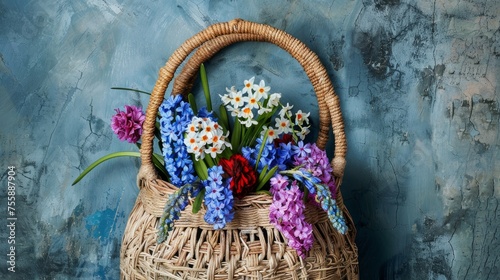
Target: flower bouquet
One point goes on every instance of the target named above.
(215, 159)
(236, 192)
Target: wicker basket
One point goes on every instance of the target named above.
(249, 247)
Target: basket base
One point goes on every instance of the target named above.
(244, 249)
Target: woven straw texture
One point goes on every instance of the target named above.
(249, 247)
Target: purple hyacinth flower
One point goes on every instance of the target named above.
(127, 125)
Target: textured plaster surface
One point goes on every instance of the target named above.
(418, 86)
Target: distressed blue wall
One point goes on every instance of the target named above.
(417, 81)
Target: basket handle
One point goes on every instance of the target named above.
(328, 101)
(184, 81)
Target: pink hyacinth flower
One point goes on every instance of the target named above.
(127, 125)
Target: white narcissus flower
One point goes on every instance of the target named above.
(234, 111)
(248, 122)
(227, 98)
(285, 111)
(303, 132)
(264, 110)
(190, 141)
(252, 100)
(246, 113)
(231, 90)
(223, 141)
(199, 152)
(271, 133)
(261, 89)
(192, 128)
(237, 99)
(215, 150)
(204, 136)
(301, 117)
(243, 104)
(274, 100)
(283, 125)
(248, 85)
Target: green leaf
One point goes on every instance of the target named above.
(209, 161)
(159, 163)
(198, 201)
(227, 153)
(244, 130)
(159, 158)
(251, 138)
(235, 138)
(103, 159)
(157, 131)
(132, 89)
(192, 102)
(200, 168)
(204, 84)
(267, 177)
(305, 197)
(263, 173)
(223, 119)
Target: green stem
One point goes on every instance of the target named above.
(103, 159)
(131, 89)
(204, 84)
(264, 142)
(192, 102)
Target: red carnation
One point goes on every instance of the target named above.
(242, 173)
